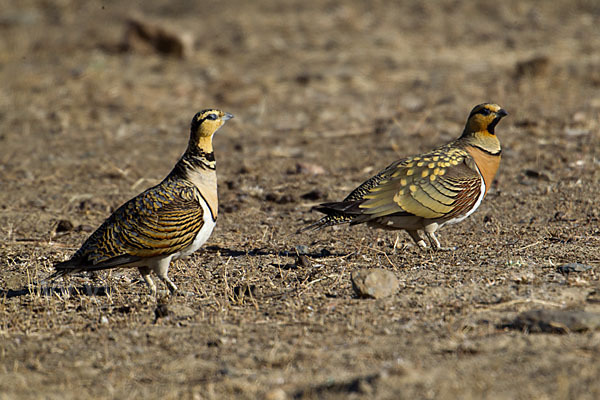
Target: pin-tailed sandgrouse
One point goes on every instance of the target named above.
(420, 194)
(166, 222)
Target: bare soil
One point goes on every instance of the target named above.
(325, 94)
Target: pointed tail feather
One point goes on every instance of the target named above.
(336, 213)
(76, 265)
(57, 274)
(324, 222)
(61, 269)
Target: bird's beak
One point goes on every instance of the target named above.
(501, 113)
(227, 116)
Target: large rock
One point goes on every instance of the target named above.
(146, 36)
(374, 283)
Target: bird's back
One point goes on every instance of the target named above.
(159, 221)
(347, 210)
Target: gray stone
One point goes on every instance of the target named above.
(573, 267)
(374, 283)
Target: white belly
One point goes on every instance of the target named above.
(201, 237)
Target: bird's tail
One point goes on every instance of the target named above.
(61, 269)
(320, 224)
(55, 275)
(335, 215)
(80, 264)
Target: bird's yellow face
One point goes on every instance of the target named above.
(207, 122)
(484, 118)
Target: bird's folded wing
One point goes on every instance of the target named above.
(428, 189)
(158, 222)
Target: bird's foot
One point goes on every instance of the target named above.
(172, 287)
(448, 249)
(163, 297)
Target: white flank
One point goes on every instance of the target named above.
(202, 236)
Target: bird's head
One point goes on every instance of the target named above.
(204, 125)
(484, 118)
(207, 122)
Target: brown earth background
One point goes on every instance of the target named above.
(325, 94)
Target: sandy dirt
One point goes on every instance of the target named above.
(325, 94)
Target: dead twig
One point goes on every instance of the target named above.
(385, 254)
(529, 245)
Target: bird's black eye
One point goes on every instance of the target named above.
(485, 111)
(211, 117)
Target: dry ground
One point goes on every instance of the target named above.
(338, 87)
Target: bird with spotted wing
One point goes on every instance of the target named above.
(166, 222)
(420, 194)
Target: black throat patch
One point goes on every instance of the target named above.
(492, 126)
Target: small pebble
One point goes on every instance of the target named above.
(302, 249)
(309, 169)
(573, 267)
(64, 225)
(276, 394)
(315, 194)
(303, 261)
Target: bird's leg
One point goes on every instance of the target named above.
(145, 272)
(435, 243)
(416, 236)
(161, 270)
(395, 244)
